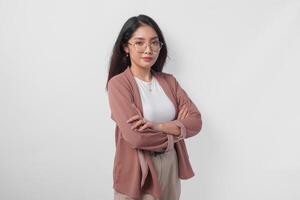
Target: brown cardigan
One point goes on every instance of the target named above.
(133, 172)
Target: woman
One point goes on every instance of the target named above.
(153, 116)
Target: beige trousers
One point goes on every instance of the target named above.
(166, 166)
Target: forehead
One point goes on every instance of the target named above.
(144, 33)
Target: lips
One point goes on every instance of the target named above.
(147, 58)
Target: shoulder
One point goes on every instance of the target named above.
(120, 88)
(119, 80)
(167, 76)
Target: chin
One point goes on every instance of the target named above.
(147, 65)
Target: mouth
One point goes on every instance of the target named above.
(147, 59)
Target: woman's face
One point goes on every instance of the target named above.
(144, 36)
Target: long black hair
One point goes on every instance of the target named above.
(119, 61)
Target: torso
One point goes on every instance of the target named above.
(157, 107)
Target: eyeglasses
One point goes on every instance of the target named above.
(140, 46)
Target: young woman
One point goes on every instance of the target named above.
(153, 116)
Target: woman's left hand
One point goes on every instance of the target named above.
(143, 123)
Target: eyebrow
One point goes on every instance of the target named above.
(141, 38)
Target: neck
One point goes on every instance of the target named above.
(141, 72)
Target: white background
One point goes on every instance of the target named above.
(238, 60)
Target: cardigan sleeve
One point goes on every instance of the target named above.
(192, 124)
(122, 108)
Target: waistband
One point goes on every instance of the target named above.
(155, 153)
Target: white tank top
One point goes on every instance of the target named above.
(157, 106)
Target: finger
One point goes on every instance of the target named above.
(133, 118)
(146, 125)
(180, 111)
(185, 113)
(137, 124)
(184, 107)
(179, 115)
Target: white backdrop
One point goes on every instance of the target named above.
(238, 61)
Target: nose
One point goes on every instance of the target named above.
(148, 49)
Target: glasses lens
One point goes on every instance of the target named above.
(141, 46)
(155, 45)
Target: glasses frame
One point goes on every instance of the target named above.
(161, 44)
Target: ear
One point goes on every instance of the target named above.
(125, 47)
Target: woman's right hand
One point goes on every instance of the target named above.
(183, 112)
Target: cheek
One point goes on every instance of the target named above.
(135, 56)
(155, 58)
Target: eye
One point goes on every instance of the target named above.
(156, 43)
(139, 43)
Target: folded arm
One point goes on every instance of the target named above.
(122, 108)
(192, 124)
(182, 127)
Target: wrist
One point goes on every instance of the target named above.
(178, 134)
(158, 126)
